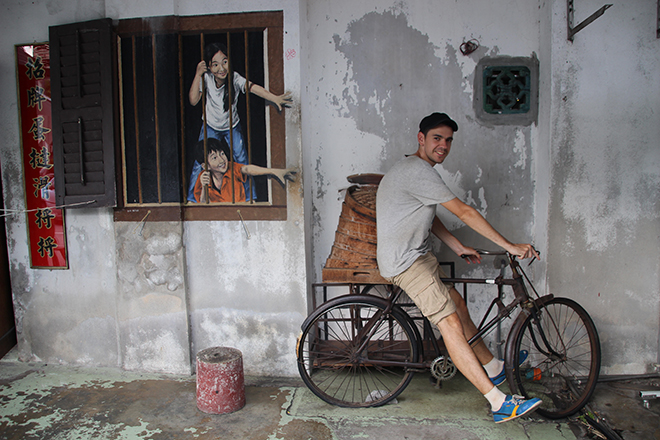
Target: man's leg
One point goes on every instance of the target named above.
(462, 354)
(504, 407)
(422, 281)
(469, 329)
(494, 367)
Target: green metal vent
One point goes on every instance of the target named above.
(506, 89)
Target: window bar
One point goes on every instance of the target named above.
(120, 70)
(205, 189)
(182, 124)
(248, 86)
(154, 61)
(229, 89)
(137, 122)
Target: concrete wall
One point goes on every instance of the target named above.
(149, 297)
(604, 217)
(376, 69)
(581, 183)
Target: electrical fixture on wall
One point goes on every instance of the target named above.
(470, 46)
(574, 30)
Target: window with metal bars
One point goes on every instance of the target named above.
(132, 94)
(163, 135)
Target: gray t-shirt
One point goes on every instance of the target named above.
(405, 208)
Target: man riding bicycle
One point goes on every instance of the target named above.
(406, 204)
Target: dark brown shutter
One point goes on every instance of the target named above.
(82, 103)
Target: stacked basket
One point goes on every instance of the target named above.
(353, 254)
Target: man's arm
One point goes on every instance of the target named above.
(440, 230)
(474, 220)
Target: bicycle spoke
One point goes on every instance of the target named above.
(341, 351)
(563, 357)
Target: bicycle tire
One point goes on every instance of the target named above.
(332, 369)
(563, 363)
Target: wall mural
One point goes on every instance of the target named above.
(219, 172)
(177, 115)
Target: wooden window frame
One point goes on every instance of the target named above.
(272, 22)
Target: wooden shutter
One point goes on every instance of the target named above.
(82, 105)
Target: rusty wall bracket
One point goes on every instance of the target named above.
(574, 30)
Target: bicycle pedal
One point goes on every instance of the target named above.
(437, 383)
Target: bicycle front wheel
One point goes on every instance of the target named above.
(352, 355)
(563, 361)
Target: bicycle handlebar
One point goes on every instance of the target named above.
(486, 252)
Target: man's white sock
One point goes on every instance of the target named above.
(496, 398)
(494, 367)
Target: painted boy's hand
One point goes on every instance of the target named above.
(205, 178)
(282, 175)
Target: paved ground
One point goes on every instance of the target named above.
(39, 401)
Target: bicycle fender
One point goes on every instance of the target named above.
(509, 352)
(340, 299)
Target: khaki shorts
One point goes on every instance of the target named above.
(422, 283)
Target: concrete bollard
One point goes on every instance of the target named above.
(220, 383)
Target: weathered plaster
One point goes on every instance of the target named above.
(603, 218)
(125, 300)
(582, 183)
(381, 78)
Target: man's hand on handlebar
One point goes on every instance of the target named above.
(524, 251)
(470, 255)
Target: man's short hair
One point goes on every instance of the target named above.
(435, 120)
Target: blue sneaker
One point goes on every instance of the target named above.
(497, 380)
(514, 407)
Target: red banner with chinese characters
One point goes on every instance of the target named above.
(46, 231)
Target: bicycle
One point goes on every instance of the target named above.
(361, 350)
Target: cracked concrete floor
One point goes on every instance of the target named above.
(39, 401)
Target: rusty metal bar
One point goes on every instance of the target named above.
(156, 119)
(205, 189)
(248, 86)
(137, 121)
(229, 90)
(182, 123)
(570, 6)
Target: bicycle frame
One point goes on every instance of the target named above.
(364, 347)
(521, 298)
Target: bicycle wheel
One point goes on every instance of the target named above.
(563, 363)
(351, 355)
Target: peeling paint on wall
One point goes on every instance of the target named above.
(259, 335)
(391, 68)
(152, 308)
